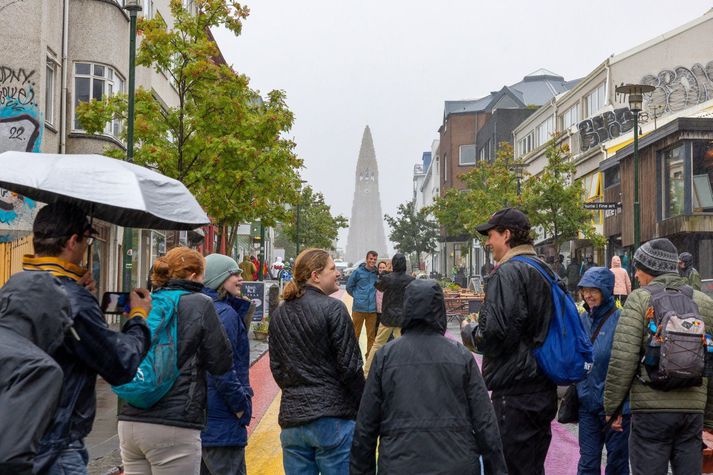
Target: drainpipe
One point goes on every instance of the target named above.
(63, 89)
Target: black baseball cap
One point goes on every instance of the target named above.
(510, 218)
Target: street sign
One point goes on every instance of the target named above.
(601, 205)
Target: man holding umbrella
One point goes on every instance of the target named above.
(62, 234)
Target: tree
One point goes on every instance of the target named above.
(554, 199)
(223, 140)
(317, 226)
(490, 186)
(413, 231)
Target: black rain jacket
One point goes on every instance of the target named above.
(202, 346)
(315, 359)
(514, 319)
(426, 400)
(393, 285)
(34, 315)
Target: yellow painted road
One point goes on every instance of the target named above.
(263, 455)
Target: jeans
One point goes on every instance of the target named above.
(524, 421)
(223, 461)
(659, 437)
(321, 446)
(591, 441)
(71, 461)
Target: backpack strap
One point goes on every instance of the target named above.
(602, 322)
(537, 266)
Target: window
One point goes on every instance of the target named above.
(702, 195)
(50, 72)
(673, 179)
(445, 167)
(481, 155)
(544, 131)
(596, 100)
(466, 154)
(148, 9)
(524, 145)
(570, 117)
(189, 5)
(612, 176)
(95, 81)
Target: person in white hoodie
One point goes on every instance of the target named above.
(622, 282)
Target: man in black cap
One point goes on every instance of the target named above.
(666, 425)
(513, 320)
(686, 269)
(61, 235)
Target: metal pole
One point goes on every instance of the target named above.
(297, 231)
(637, 230)
(132, 86)
(261, 256)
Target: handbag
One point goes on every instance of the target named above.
(568, 412)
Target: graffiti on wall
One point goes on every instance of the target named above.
(20, 131)
(600, 128)
(679, 88)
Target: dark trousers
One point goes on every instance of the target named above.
(524, 422)
(659, 437)
(223, 461)
(591, 441)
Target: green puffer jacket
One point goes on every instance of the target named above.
(628, 347)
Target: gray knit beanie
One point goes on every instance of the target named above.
(657, 257)
(218, 268)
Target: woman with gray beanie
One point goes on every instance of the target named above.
(229, 396)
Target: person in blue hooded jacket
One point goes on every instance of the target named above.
(597, 286)
(229, 396)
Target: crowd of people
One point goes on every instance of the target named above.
(418, 398)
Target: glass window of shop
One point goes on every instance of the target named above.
(673, 181)
(702, 183)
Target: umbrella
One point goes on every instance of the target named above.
(113, 190)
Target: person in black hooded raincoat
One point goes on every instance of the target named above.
(34, 316)
(426, 400)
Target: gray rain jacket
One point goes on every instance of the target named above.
(34, 316)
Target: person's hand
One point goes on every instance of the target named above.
(88, 282)
(140, 298)
(616, 425)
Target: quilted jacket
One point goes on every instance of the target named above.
(315, 359)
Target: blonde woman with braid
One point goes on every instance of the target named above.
(316, 361)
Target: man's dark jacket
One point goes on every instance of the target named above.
(115, 356)
(393, 284)
(202, 347)
(34, 315)
(426, 400)
(315, 359)
(230, 393)
(514, 319)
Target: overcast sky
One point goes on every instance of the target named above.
(391, 64)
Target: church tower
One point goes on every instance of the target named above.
(366, 227)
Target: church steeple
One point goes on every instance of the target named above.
(366, 227)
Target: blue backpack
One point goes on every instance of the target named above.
(159, 369)
(566, 354)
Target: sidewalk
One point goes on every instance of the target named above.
(103, 442)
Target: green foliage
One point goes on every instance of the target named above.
(554, 200)
(412, 231)
(317, 227)
(490, 186)
(221, 139)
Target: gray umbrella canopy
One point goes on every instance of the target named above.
(106, 188)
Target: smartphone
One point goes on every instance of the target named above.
(115, 302)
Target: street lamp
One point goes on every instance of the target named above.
(636, 92)
(133, 7)
(297, 223)
(518, 168)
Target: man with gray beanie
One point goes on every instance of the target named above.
(666, 425)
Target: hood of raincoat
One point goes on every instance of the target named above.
(398, 263)
(35, 306)
(424, 306)
(615, 261)
(599, 278)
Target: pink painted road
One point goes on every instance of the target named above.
(264, 454)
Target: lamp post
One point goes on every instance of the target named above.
(297, 221)
(635, 94)
(133, 7)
